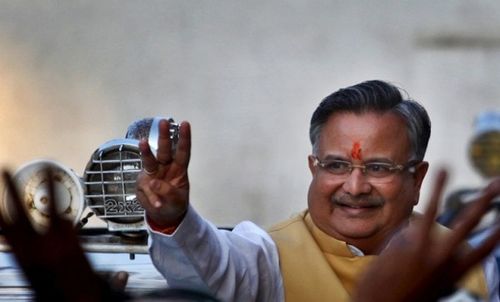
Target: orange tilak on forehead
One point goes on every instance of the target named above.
(356, 151)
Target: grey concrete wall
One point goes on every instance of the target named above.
(246, 74)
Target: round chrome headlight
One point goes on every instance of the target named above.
(109, 180)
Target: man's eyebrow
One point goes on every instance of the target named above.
(335, 157)
(379, 160)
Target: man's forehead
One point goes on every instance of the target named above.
(365, 136)
(356, 125)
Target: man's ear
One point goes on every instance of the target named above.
(421, 171)
(312, 166)
(419, 175)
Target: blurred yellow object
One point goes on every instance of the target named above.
(484, 148)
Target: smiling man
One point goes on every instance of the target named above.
(364, 206)
(367, 166)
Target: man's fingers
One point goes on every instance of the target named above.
(472, 214)
(149, 162)
(183, 152)
(432, 208)
(14, 201)
(152, 165)
(164, 152)
(55, 219)
(477, 254)
(119, 280)
(49, 176)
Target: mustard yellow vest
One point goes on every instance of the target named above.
(328, 271)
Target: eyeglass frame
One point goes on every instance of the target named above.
(410, 166)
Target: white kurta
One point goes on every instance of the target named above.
(238, 265)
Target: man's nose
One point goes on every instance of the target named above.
(356, 183)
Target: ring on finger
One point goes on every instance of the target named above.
(150, 172)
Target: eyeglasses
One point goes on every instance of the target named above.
(378, 172)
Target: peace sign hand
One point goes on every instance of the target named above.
(162, 187)
(423, 267)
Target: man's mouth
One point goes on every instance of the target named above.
(357, 211)
(358, 206)
(355, 206)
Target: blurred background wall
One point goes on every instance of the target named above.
(246, 74)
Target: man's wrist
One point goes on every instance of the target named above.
(167, 229)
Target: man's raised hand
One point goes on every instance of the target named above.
(163, 185)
